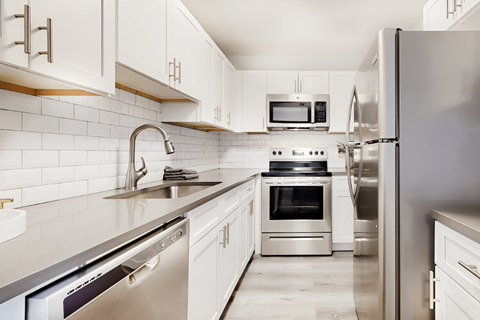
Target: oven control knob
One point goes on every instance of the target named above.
(316, 153)
(274, 152)
(310, 152)
(279, 153)
(322, 153)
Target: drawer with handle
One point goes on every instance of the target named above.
(247, 189)
(459, 257)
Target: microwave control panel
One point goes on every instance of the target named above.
(320, 112)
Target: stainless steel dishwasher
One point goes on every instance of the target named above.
(147, 279)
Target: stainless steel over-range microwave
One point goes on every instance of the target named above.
(298, 111)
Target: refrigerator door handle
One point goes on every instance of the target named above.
(349, 112)
(349, 176)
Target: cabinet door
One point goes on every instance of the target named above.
(315, 82)
(254, 101)
(186, 35)
(142, 36)
(207, 85)
(228, 258)
(342, 217)
(219, 87)
(12, 30)
(229, 96)
(341, 86)
(466, 6)
(243, 237)
(283, 82)
(435, 16)
(203, 279)
(83, 42)
(250, 228)
(454, 301)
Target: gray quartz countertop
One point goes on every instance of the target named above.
(62, 235)
(466, 221)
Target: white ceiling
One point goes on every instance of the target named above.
(301, 27)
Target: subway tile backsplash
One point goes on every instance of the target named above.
(60, 147)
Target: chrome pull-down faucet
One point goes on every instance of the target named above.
(134, 175)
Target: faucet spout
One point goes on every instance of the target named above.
(133, 175)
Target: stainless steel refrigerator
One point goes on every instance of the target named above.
(416, 146)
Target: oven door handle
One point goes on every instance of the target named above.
(297, 183)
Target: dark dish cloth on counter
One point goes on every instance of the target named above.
(179, 174)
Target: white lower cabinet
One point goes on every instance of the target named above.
(453, 301)
(228, 258)
(221, 244)
(457, 290)
(342, 215)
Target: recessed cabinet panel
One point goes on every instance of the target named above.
(315, 82)
(207, 85)
(142, 36)
(341, 87)
(186, 39)
(82, 37)
(12, 30)
(229, 95)
(280, 82)
(202, 281)
(254, 101)
(436, 16)
(219, 87)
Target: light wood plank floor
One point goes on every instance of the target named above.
(295, 288)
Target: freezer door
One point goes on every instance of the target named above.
(375, 85)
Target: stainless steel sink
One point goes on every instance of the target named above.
(166, 191)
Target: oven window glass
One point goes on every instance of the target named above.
(290, 112)
(296, 203)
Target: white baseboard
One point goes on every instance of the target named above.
(342, 246)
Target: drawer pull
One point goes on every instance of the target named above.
(470, 268)
(432, 290)
(249, 189)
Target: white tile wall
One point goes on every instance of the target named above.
(59, 147)
(252, 151)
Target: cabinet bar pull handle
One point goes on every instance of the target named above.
(49, 52)
(27, 27)
(224, 242)
(448, 9)
(301, 86)
(228, 115)
(174, 63)
(455, 5)
(432, 290)
(251, 207)
(228, 233)
(470, 268)
(295, 90)
(179, 67)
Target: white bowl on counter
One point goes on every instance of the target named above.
(13, 222)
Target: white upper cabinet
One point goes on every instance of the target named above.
(219, 88)
(315, 82)
(254, 101)
(184, 51)
(14, 29)
(142, 37)
(229, 99)
(207, 85)
(341, 86)
(79, 44)
(286, 82)
(282, 82)
(440, 15)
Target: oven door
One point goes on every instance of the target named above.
(296, 205)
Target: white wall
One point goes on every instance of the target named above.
(252, 151)
(59, 147)
(296, 63)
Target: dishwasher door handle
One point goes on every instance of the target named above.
(144, 272)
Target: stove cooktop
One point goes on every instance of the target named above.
(295, 174)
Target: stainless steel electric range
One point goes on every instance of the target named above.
(296, 203)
